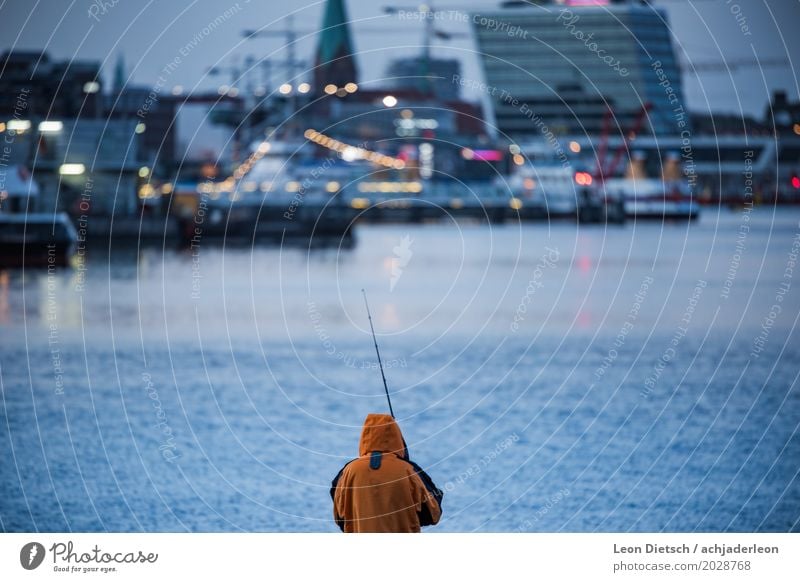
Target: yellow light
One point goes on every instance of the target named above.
(292, 186)
(518, 159)
(515, 203)
(797, 128)
(285, 89)
(467, 154)
(250, 186)
(166, 188)
(398, 164)
(146, 191)
(406, 114)
(390, 101)
(263, 147)
(386, 187)
(332, 187)
(330, 89)
(50, 126)
(2, 127)
(359, 203)
(19, 125)
(266, 186)
(304, 88)
(456, 203)
(140, 127)
(351, 87)
(144, 171)
(71, 169)
(574, 147)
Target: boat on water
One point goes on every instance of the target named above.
(653, 198)
(282, 196)
(31, 239)
(667, 197)
(36, 240)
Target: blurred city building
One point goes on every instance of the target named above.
(335, 64)
(567, 63)
(426, 75)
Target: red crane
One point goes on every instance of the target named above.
(604, 169)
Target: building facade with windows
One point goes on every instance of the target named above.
(567, 63)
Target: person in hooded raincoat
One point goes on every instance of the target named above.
(383, 491)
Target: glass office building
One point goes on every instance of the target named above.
(562, 64)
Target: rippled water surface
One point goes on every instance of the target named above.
(549, 377)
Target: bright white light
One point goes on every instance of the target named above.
(285, 89)
(330, 89)
(71, 169)
(18, 125)
(50, 126)
(144, 171)
(140, 127)
(425, 160)
(304, 87)
(350, 154)
(91, 87)
(351, 87)
(390, 101)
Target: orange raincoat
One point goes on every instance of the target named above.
(382, 490)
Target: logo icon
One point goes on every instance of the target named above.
(32, 555)
(402, 256)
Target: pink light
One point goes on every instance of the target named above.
(587, 2)
(488, 155)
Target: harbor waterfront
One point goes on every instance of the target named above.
(549, 376)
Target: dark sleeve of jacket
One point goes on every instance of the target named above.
(337, 518)
(425, 517)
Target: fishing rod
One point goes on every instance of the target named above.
(377, 351)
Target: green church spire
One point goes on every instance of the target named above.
(335, 63)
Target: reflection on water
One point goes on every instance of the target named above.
(580, 361)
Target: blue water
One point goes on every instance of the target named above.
(159, 392)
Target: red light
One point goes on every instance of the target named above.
(796, 182)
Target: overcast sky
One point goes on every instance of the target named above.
(152, 33)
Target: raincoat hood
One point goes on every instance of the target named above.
(381, 433)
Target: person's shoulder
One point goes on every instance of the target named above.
(409, 466)
(356, 464)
